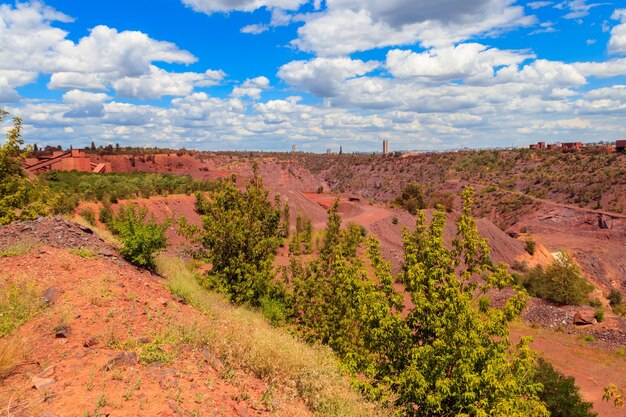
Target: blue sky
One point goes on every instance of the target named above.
(266, 74)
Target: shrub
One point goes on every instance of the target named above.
(562, 282)
(560, 394)
(595, 303)
(615, 297)
(599, 315)
(106, 213)
(530, 247)
(394, 220)
(241, 232)
(141, 238)
(89, 216)
(320, 189)
(411, 199)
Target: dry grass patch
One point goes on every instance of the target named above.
(11, 355)
(20, 248)
(20, 300)
(244, 338)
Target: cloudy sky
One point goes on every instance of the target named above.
(266, 74)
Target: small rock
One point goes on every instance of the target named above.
(51, 295)
(62, 333)
(85, 229)
(143, 340)
(48, 414)
(92, 341)
(582, 318)
(46, 373)
(168, 382)
(162, 301)
(41, 383)
(121, 359)
(242, 410)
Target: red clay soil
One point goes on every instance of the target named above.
(592, 367)
(110, 309)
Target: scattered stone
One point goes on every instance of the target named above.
(51, 295)
(121, 359)
(48, 414)
(46, 373)
(242, 410)
(62, 332)
(582, 318)
(143, 340)
(92, 341)
(85, 229)
(168, 382)
(82, 353)
(162, 301)
(41, 383)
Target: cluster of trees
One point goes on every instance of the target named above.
(302, 239)
(111, 187)
(448, 355)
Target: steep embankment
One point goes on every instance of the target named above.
(97, 336)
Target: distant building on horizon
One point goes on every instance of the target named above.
(385, 147)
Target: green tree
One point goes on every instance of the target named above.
(560, 393)
(460, 361)
(242, 230)
(141, 237)
(562, 282)
(20, 198)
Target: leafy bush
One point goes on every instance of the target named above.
(615, 297)
(394, 220)
(106, 213)
(595, 303)
(141, 238)
(20, 198)
(89, 216)
(599, 315)
(560, 393)
(411, 199)
(241, 232)
(562, 282)
(530, 247)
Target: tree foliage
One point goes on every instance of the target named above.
(450, 354)
(560, 393)
(411, 199)
(20, 198)
(241, 232)
(141, 237)
(562, 282)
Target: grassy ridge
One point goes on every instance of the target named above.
(244, 338)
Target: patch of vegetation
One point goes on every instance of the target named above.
(302, 239)
(20, 300)
(83, 253)
(615, 297)
(11, 353)
(241, 231)
(560, 394)
(20, 198)
(20, 248)
(562, 282)
(243, 338)
(141, 237)
(89, 216)
(599, 315)
(411, 199)
(112, 187)
(530, 247)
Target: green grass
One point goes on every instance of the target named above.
(20, 248)
(83, 253)
(20, 300)
(243, 338)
